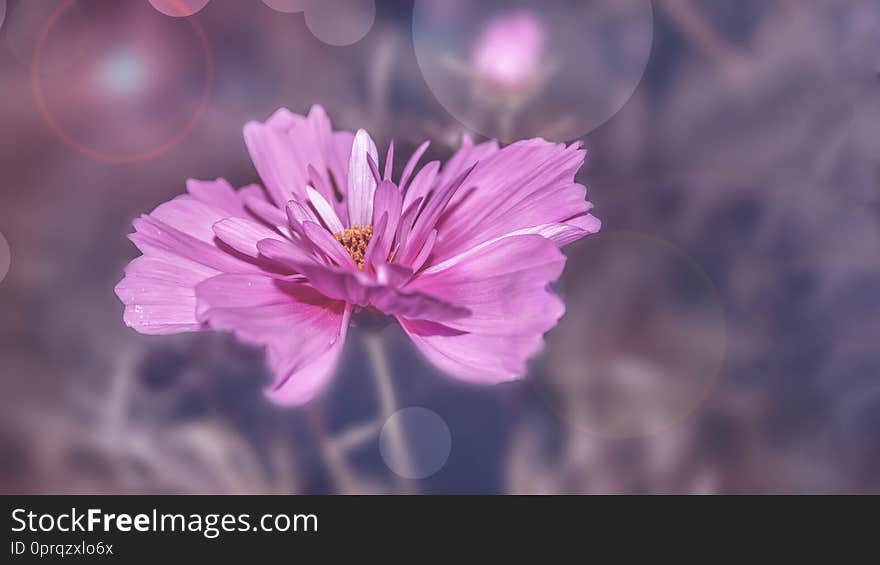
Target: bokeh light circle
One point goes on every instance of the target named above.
(286, 6)
(556, 69)
(112, 78)
(179, 8)
(428, 442)
(5, 257)
(26, 21)
(340, 22)
(642, 342)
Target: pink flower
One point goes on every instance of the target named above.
(460, 255)
(510, 51)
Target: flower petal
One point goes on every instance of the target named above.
(407, 220)
(284, 146)
(287, 253)
(361, 184)
(474, 358)
(325, 211)
(588, 222)
(423, 182)
(324, 240)
(189, 216)
(432, 210)
(272, 150)
(389, 162)
(387, 204)
(242, 235)
(309, 379)
(425, 252)
(158, 239)
(219, 194)
(503, 284)
(159, 294)
(378, 248)
(526, 184)
(180, 251)
(415, 305)
(266, 212)
(374, 168)
(467, 156)
(301, 330)
(349, 285)
(297, 213)
(412, 164)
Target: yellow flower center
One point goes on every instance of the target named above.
(355, 240)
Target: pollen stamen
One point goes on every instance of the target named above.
(355, 240)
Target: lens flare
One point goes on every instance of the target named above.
(649, 342)
(428, 439)
(122, 73)
(179, 8)
(536, 68)
(340, 22)
(71, 38)
(287, 6)
(138, 63)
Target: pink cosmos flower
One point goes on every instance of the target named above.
(509, 53)
(460, 255)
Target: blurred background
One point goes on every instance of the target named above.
(722, 330)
